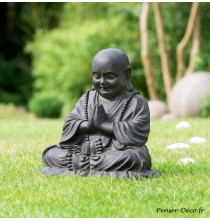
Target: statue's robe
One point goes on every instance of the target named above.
(127, 150)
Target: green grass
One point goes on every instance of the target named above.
(26, 193)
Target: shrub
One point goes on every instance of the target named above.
(46, 107)
(62, 57)
(205, 110)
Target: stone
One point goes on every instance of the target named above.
(188, 94)
(186, 161)
(198, 140)
(157, 109)
(177, 146)
(183, 124)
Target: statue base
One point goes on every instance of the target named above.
(88, 173)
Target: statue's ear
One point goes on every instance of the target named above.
(128, 84)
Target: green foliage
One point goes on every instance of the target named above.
(205, 110)
(15, 82)
(27, 194)
(62, 57)
(203, 62)
(67, 35)
(46, 107)
(174, 26)
(19, 22)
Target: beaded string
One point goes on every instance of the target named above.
(119, 119)
(126, 106)
(86, 110)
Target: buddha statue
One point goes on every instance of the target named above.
(106, 132)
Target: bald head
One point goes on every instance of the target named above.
(110, 60)
(111, 72)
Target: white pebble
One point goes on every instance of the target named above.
(183, 124)
(198, 140)
(177, 146)
(185, 161)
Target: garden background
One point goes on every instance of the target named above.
(46, 51)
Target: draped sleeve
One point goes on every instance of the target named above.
(135, 126)
(71, 125)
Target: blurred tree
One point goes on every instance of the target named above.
(63, 37)
(145, 55)
(62, 57)
(192, 26)
(192, 29)
(195, 45)
(18, 23)
(165, 65)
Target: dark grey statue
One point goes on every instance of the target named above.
(106, 132)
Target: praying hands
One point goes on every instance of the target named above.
(97, 121)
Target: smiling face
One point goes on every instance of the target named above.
(109, 73)
(108, 84)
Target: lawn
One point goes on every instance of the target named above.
(26, 193)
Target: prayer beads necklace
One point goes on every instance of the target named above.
(122, 113)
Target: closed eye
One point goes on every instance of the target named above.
(96, 75)
(111, 75)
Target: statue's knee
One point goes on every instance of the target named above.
(49, 154)
(52, 154)
(146, 165)
(129, 155)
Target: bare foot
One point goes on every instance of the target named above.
(96, 146)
